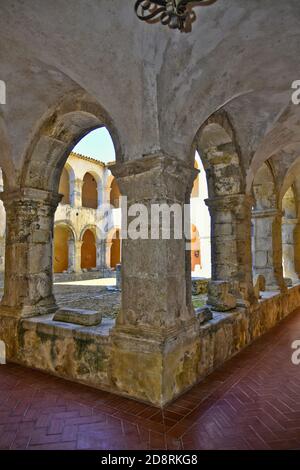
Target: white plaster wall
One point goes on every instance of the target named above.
(79, 218)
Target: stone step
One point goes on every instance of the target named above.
(78, 316)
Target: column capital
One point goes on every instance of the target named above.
(263, 213)
(28, 269)
(171, 178)
(289, 221)
(229, 202)
(31, 194)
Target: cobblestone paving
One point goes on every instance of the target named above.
(88, 297)
(95, 297)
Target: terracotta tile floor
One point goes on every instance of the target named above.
(253, 402)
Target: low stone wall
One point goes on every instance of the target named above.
(87, 354)
(84, 275)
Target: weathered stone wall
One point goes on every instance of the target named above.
(89, 355)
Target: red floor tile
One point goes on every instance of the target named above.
(252, 402)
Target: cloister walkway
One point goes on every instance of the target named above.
(252, 402)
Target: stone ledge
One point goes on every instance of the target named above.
(94, 356)
(46, 324)
(78, 316)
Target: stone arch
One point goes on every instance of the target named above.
(289, 206)
(290, 180)
(69, 226)
(63, 234)
(266, 234)
(220, 155)
(57, 132)
(264, 188)
(88, 249)
(61, 129)
(230, 208)
(92, 228)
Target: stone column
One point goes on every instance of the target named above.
(156, 330)
(71, 256)
(119, 276)
(100, 194)
(101, 255)
(28, 268)
(268, 247)
(75, 256)
(288, 248)
(78, 245)
(106, 194)
(231, 243)
(76, 193)
(108, 245)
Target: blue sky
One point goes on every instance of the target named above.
(97, 144)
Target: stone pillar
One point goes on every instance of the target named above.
(118, 276)
(74, 256)
(231, 243)
(101, 255)
(71, 256)
(288, 248)
(76, 193)
(155, 350)
(106, 194)
(108, 245)
(100, 194)
(268, 247)
(28, 268)
(77, 266)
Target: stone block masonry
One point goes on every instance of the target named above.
(89, 354)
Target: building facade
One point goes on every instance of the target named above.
(87, 220)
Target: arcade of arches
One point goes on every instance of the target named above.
(169, 110)
(85, 185)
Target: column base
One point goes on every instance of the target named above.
(155, 370)
(27, 311)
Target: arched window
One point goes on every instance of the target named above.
(62, 235)
(88, 250)
(114, 194)
(89, 192)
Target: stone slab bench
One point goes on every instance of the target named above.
(78, 316)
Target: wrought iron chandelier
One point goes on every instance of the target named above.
(177, 14)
